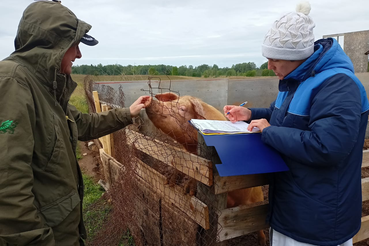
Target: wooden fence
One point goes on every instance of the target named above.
(234, 222)
(209, 204)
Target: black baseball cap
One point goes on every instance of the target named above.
(89, 40)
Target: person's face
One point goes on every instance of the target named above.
(282, 68)
(68, 59)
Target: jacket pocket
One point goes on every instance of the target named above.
(57, 211)
(62, 160)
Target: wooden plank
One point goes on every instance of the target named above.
(365, 188)
(116, 170)
(106, 138)
(226, 184)
(364, 230)
(242, 220)
(97, 101)
(365, 162)
(95, 95)
(112, 147)
(145, 204)
(192, 165)
(112, 169)
(106, 168)
(177, 228)
(112, 160)
(191, 206)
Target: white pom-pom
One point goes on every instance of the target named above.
(303, 7)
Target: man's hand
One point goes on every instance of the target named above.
(236, 113)
(140, 103)
(261, 124)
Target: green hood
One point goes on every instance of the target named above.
(46, 31)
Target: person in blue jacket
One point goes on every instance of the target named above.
(317, 123)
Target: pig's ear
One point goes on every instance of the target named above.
(167, 97)
(198, 108)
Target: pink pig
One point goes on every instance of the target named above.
(171, 114)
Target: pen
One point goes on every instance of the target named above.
(242, 104)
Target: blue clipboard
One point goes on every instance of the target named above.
(243, 154)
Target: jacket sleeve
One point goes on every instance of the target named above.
(91, 126)
(262, 113)
(335, 116)
(20, 222)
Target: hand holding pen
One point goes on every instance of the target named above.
(237, 113)
(241, 105)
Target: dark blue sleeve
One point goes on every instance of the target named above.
(335, 116)
(262, 113)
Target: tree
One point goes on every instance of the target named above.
(202, 68)
(251, 73)
(265, 72)
(101, 69)
(182, 70)
(174, 71)
(207, 73)
(152, 71)
(264, 66)
(231, 72)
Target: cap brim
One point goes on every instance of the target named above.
(89, 40)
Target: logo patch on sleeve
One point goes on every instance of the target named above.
(8, 127)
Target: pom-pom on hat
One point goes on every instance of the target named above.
(291, 37)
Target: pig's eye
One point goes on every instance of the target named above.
(182, 111)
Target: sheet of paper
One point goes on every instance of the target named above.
(219, 126)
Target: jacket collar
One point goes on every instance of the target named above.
(305, 70)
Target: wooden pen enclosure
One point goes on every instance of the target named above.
(181, 219)
(135, 162)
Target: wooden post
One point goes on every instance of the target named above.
(111, 138)
(97, 101)
(98, 110)
(106, 139)
(206, 194)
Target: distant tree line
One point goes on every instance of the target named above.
(248, 69)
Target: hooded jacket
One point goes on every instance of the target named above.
(318, 124)
(41, 187)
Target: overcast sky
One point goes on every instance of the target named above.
(189, 32)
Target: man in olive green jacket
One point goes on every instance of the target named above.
(41, 187)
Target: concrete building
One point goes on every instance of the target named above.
(356, 46)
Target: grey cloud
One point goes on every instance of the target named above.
(188, 32)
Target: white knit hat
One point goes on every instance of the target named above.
(291, 37)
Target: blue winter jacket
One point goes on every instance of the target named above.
(318, 124)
